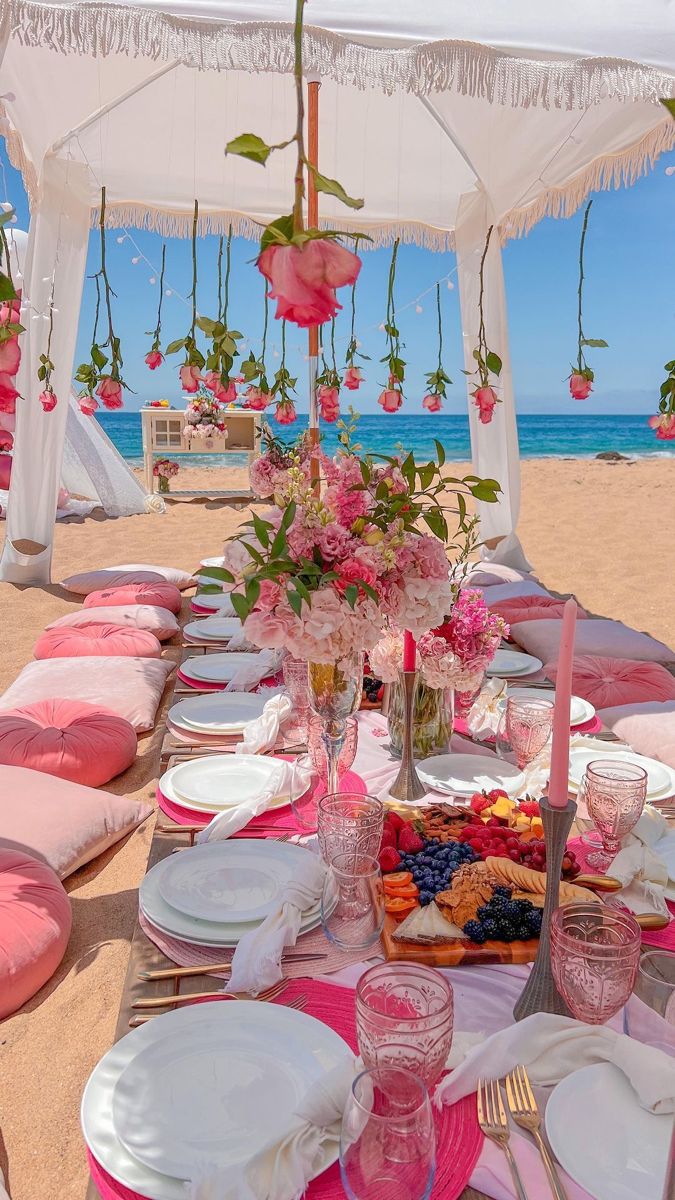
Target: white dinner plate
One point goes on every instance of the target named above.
(605, 1141)
(660, 778)
(243, 1108)
(220, 781)
(216, 668)
(509, 663)
(217, 561)
(217, 602)
(580, 710)
(464, 774)
(226, 713)
(169, 792)
(236, 881)
(213, 629)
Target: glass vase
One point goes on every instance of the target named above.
(432, 719)
(335, 691)
(163, 484)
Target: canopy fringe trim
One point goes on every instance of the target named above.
(470, 68)
(17, 155)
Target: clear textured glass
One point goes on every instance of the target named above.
(464, 701)
(317, 748)
(615, 794)
(349, 822)
(296, 682)
(388, 1140)
(650, 1013)
(404, 1018)
(595, 952)
(432, 719)
(335, 691)
(524, 729)
(352, 903)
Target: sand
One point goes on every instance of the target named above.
(596, 529)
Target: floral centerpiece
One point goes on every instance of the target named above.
(282, 469)
(164, 470)
(204, 417)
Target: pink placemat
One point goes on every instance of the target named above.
(282, 819)
(458, 1138)
(663, 938)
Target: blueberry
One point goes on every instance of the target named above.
(503, 891)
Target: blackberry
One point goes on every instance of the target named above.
(474, 931)
(504, 892)
(491, 929)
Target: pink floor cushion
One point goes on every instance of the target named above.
(607, 682)
(35, 922)
(155, 620)
(89, 640)
(529, 608)
(108, 577)
(508, 591)
(63, 824)
(649, 728)
(163, 595)
(67, 738)
(611, 639)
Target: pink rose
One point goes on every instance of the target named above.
(390, 399)
(353, 378)
(332, 541)
(485, 399)
(355, 570)
(8, 393)
(110, 392)
(285, 412)
(87, 405)
(154, 359)
(329, 401)
(664, 424)
(580, 386)
(6, 440)
(432, 403)
(304, 278)
(48, 400)
(10, 356)
(256, 399)
(226, 395)
(270, 595)
(190, 378)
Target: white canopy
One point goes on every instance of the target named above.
(446, 118)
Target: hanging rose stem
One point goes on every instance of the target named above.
(313, 218)
(193, 293)
(482, 337)
(222, 313)
(581, 363)
(298, 220)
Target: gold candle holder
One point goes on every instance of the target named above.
(407, 786)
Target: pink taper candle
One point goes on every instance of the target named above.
(558, 786)
(409, 652)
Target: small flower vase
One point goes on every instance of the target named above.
(335, 691)
(431, 721)
(163, 484)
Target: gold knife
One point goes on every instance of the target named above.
(200, 969)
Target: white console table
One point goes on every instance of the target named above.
(163, 434)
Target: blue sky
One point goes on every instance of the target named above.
(629, 301)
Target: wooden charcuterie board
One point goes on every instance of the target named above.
(456, 951)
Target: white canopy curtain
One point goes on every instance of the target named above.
(446, 118)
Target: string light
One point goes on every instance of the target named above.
(450, 285)
(135, 260)
(418, 308)
(152, 279)
(670, 170)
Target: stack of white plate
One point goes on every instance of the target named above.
(216, 715)
(215, 602)
(212, 895)
(580, 710)
(215, 668)
(508, 664)
(220, 781)
(212, 629)
(660, 777)
(464, 774)
(208, 1083)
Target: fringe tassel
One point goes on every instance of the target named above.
(468, 67)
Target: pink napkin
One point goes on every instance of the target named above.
(493, 1177)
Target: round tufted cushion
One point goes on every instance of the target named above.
(68, 738)
(606, 682)
(162, 595)
(76, 641)
(35, 921)
(529, 608)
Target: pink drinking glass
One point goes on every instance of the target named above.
(524, 729)
(404, 1018)
(595, 951)
(349, 823)
(317, 748)
(615, 794)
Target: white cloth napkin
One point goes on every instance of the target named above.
(282, 1169)
(640, 867)
(249, 675)
(553, 1047)
(287, 779)
(256, 964)
(262, 733)
(485, 713)
(239, 641)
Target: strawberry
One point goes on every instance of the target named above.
(530, 808)
(410, 842)
(388, 836)
(393, 819)
(389, 859)
(478, 802)
(496, 794)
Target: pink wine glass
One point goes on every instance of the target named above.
(524, 729)
(595, 951)
(404, 1018)
(615, 794)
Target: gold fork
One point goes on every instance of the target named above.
(525, 1113)
(492, 1120)
(184, 998)
(299, 1004)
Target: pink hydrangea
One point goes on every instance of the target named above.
(430, 556)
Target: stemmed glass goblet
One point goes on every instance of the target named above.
(595, 951)
(335, 691)
(524, 729)
(615, 794)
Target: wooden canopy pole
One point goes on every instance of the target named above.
(312, 220)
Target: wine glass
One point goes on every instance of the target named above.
(352, 902)
(296, 681)
(317, 749)
(524, 729)
(388, 1140)
(335, 691)
(595, 951)
(404, 1018)
(650, 1013)
(615, 794)
(349, 821)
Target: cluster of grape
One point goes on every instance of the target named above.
(434, 867)
(504, 920)
(372, 689)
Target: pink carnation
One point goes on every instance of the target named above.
(270, 595)
(332, 541)
(355, 571)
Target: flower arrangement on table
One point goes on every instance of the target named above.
(282, 469)
(164, 470)
(204, 417)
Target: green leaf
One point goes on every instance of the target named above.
(98, 357)
(436, 522)
(440, 452)
(7, 289)
(485, 491)
(351, 594)
(249, 145)
(255, 554)
(596, 343)
(426, 475)
(173, 347)
(261, 531)
(295, 601)
(206, 325)
(493, 362)
(42, 373)
(240, 606)
(278, 232)
(331, 187)
(216, 573)
(303, 590)
(670, 105)
(289, 516)
(209, 589)
(252, 592)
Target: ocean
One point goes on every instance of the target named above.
(540, 435)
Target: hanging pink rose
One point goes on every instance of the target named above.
(432, 403)
(329, 401)
(664, 424)
(8, 393)
(485, 399)
(10, 311)
(154, 359)
(10, 356)
(256, 399)
(285, 412)
(6, 440)
(580, 386)
(109, 391)
(48, 400)
(190, 378)
(303, 279)
(88, 405)
(226, 395)
(390, 399)
(353, 378)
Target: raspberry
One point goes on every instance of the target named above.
(410, 842)
(389, 859)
